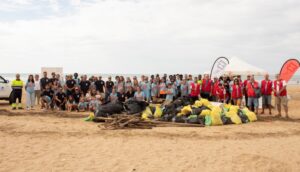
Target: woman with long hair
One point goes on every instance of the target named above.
(30, 96)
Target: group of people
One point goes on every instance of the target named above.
(76, 93)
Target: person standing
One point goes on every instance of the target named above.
(85, 85)
(29, 87)
(195, 89)
(236, 92)
(266, 92)
(100, 85)
(206, 87)
(76, 79)
(109, 85)
(17, 86)
(251, 88)
(280, 93)
(70, 85)
(184, 88)
(244, 89)
(37, 89)
(214, 89)
(44, 81)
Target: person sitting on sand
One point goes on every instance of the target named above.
(47, 98)
(121, 95)
(129, 93)
(82, 105)
(113, 97)
(94, 103)
(71, 104)
(139, 95)
(60, 99)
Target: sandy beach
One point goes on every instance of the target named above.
(60, 141)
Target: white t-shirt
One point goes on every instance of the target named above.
(37, 85)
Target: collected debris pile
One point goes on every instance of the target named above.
(180, 113)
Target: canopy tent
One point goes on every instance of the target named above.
(237, 66)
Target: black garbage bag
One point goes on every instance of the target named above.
(243, 117)
(167, 117)
(133, 106)
(109, 109)
(226, 120)
(153, 109)
(180, 119)
(195, 119)
(183, 101)
(197, 111)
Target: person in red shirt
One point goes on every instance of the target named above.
(221, 93)
(206, 89)
(251, 88)
(266, 92)
(195, 89)
(214, 90)
(236, 92)
(280, 93)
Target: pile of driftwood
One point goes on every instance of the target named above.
(135, 122)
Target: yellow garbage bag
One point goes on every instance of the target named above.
(216, 116)
(158, 111)
(227, 107)
(234, 117)
(251, 115)
(205, 112)
(198, 103)
(205, 102)
(234, 109)
(146, 113)
(186, 110)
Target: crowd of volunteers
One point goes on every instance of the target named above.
(80, 93)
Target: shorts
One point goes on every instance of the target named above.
(281, 100)
(47, 99)
(266, 100)
(254, 101)
(82, 105)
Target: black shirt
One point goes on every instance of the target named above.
(71, 83)
(77, 97)
(49, 93)
(109, 85)
(85, 85)
(44, 81)
(121, 97)
(61, 96)
(52, 80)
(129, 95)
(99, 85)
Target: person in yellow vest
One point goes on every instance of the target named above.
(17, 86)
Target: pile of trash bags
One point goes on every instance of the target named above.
(182, 110)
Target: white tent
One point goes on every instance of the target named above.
(237, 66)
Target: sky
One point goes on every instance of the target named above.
(146, 36)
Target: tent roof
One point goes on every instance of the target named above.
(237, 66)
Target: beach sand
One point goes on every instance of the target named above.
(40, 141)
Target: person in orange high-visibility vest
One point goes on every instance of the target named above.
(280, 94)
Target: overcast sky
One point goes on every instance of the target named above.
(146, 36)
